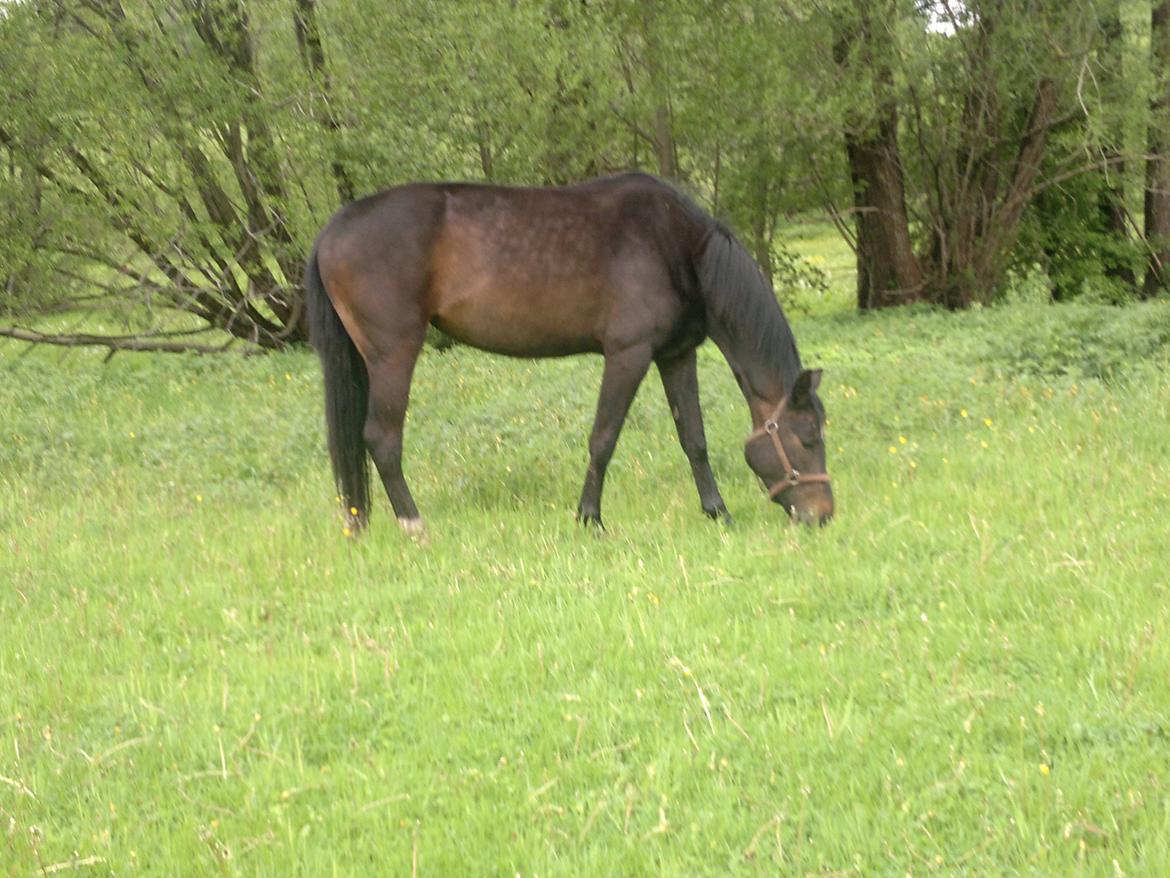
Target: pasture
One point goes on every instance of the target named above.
(965, 673)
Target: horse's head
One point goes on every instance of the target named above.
(788, 453)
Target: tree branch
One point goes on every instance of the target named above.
(117, 343)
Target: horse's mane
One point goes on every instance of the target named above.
(740, 297)
(733, 288)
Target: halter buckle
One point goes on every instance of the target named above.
(770, 426)
(794, 477)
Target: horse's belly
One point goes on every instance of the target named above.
(545, 324)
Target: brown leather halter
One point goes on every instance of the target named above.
(795, 477)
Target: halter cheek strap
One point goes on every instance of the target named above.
(793, 476)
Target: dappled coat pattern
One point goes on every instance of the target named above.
(623, 266)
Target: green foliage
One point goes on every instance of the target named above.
(829, 260)
(1072, 232)
(797, 280)
(183, 154)
(1084, 341)
(961, 673)
(992, 113)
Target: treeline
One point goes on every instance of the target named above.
(179, 155)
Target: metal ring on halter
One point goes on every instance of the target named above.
(792, 476)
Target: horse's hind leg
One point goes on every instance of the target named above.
(680, 380)
(623, 373)
(390, 375)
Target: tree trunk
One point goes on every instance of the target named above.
(664, 143)
(977, 257)
(762, 223)
(313, 56)
(983, 186)
(1001, 232)
(965, 203)
(888, 272)
(483, 143)
(254, 154)
(887, 269)
(1157, 201)
(1112, 198)
(662, 135)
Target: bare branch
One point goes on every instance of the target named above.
(117, 343)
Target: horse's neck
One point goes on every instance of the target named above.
(763, 380)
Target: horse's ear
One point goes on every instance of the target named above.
(807, 382)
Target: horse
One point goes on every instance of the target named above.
(626, 266)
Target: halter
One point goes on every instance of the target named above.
(794, 476)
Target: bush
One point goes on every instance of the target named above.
(1082, 341)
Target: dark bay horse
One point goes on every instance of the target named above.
(623, 266)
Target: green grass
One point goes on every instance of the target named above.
(964, 674)
(817, 242)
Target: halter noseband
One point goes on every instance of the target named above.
(794, 476)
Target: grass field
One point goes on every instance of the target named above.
(968, 672)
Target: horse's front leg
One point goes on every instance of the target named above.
(680, 380)
(624, 371)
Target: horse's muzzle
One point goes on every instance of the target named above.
(814, 509)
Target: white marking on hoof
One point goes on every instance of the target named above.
(414, 528)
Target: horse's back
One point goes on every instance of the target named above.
(523, 271)
(520, 271)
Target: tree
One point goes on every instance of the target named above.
(179, 155)
(887, 269)
(982, 87)
(190, 184)
(1157, 194)
(1113, 214)
(312, 51)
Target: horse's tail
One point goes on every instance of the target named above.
(347, 393)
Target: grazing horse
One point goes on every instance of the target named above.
(624, 266)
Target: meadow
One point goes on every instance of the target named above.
(965, 673)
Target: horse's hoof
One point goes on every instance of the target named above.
(589, 520)
(719, 514)
(414, 528)
(353, 526)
